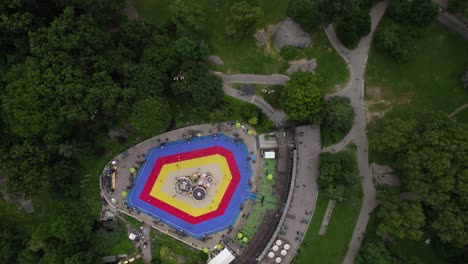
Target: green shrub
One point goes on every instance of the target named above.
(338, 120)
(289, 52)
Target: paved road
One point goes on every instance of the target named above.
(354, 90)
(274, 115)
(253, 78)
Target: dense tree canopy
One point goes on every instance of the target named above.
(243, 19)
(338, 172)
(375, 253)
(338, 119)
(151, 116)
(303, 97)
(397, 33)
(400, 219)
(429, 155)
(189, 19)
(200, 89)
(313, 13)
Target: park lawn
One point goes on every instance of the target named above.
(239, 55)
(331, 248)
(429, 81)
(402, 247)
(330, 65)
(190, 255)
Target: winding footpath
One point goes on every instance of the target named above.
(356, 60)
(274, 115)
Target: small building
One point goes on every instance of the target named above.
(270, 155)
(224, 257)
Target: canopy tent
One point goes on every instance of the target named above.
(132, 170)
(205, 250)
(245, 239)
(270, 155)
(224, 257)
(270, 176)
(250, 131)
(238, 124)
(240, 235)
(124, 194)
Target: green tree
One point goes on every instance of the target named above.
(401, 219)
(429, 155)
(395, 40)
(338, 172)
(363, 23)
(165, 253)
(423, 12)
(347, 33)
(189, 48)
(187, 17)
(289, 52)
(151, 116)
(243, 19)
(374, 252)
(135, 36)
(147, 81)
(303, 97)
(26, 168)
(15, 22)
(305, 13)
(200, 88)
(338, 120)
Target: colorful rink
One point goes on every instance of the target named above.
(222, 156)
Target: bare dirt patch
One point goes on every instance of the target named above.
(380, 100)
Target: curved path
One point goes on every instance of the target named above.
(356, 60)
(454, 113)
(274, 115)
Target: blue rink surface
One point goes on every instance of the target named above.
(215, 224)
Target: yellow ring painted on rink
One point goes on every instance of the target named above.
(223, 184)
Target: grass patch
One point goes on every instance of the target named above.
(329, 64)
(190, 255)
(266, 199)
(113, 242)
(132, 221)
(331, 248)
(462, 116)
(430, 80)
(238, 55)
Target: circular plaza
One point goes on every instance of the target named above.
(192, 183)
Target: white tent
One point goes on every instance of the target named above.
(278, 260)
(271, 254)
(269, 155)
(224, 257)
(284, 252)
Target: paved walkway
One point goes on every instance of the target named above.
(449, 20)
(356, 60)
(454, 113)
(274, 115)
(305, 191)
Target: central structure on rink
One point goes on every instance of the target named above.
(197, 186)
